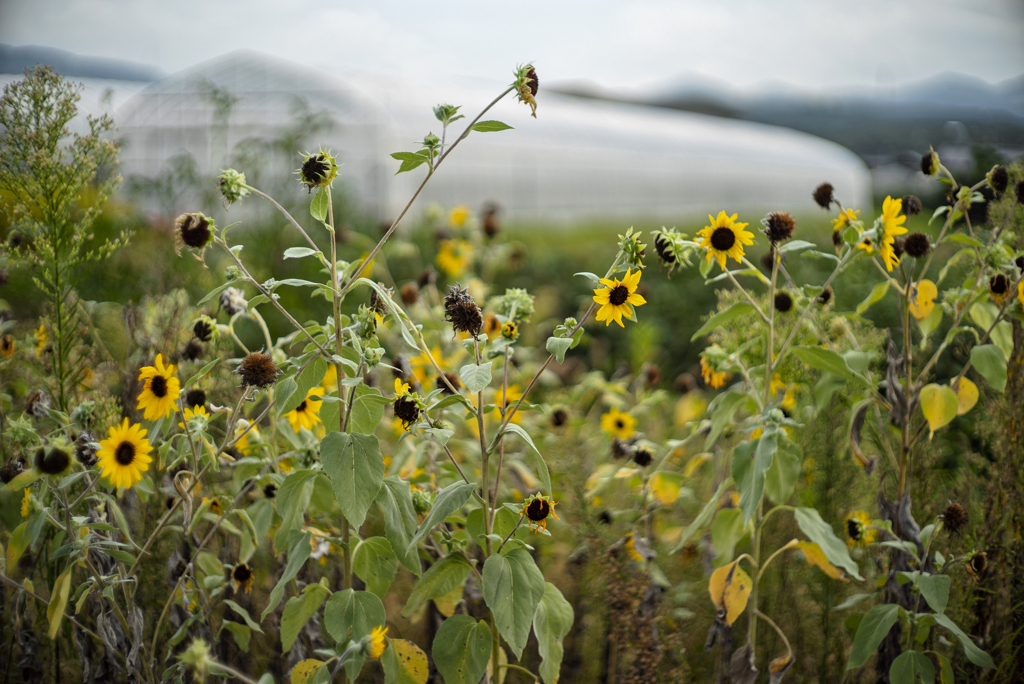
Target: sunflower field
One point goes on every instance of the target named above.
(317, 449)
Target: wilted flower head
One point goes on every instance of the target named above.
(916, 245)
(461, 311)
(192, 350)
(410, 292)
(977, 564)
(537, 509)
(10, 470)
(778, 226)
(241, 575)
(317, 170)
(911, 205)
(193, 230)
(997, 179)
(38, 404)
(954, 518)
(257, 370)
(823, 195)
(232, 186)
(204, 329)
(86, 447)
(642, 455)
(527, 85)
(783, 301)
(7, 346)
(825, 296)
(232, 301)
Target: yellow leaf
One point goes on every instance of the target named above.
(58, 600)
(815, 556)
(690, 407)
(923, 299)
(446, 604)
(967, 396)
(695, 462)
(730, 588)
(665, 486)
(502, 661)
(412, 658)
(939, 405)
(623, 473)
(304, 670)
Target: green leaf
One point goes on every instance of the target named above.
(876, 295)
(935, 589)
(558, 346)
(59, 600)
(781, 477)
(462, 647)
(306, 380)
(750, 461)
(966, 240)
(490, 126)
(551, 623)
(726, 530)
(298, 553)
(241, 633)
(991, 363)
(829, 361)
(852, 601)
(945, 668)
(245, 615)
(298, 610)
(821, 533)
(292, 500)
(721, 318)
(873, 628)
(911, 667)
(540, 464)
(724, 408)
(318, 207)
(443, 577)
(513, 586)
(410, 156)
(356, 468)
(375, 563)
(702, 519)
(352, 615)
(448, 500)
(299, 252)
(475, 377)
(395, 500)
(974, 654)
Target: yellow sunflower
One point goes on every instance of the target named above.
(191, 413)
(712, 377)
(844, 219)
(725, 237)
(243, 444)
(375, 647)
(330, 381)
(892, 225)
(866, 246)
(307, 414)
(454, 257)
(857, 531)
(7, 346)
(618, 423)
(458, 216)
(160, 391)
(123, 457)
(401, 388)
(618, 298)
(40, 336)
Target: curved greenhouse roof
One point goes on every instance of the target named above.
(579, 160)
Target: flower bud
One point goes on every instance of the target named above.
(232, 186)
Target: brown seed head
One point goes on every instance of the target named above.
(193, 350)
(783, 302)
(916, 245)
(406, 409)
(462, 312)
(642, 456)
(954, 518)
(998, 179)
(779, 226)
(823, 195)
(257, 370)
(10, 470)
(826, 296)
(911, 205)
(998, 284)
(410, 292)
(52, 462)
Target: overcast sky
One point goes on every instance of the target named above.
(809, 44)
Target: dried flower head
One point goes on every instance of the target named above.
(232, 186)
(426, 278)
(257, 370)
(193, 230)
(195, 397)
(559, 417)
(977, 564)
(911, 205)
(778, 226)
(898, 245)
(997, 179)
(461, 311)
(453, 380)
(37, 404)
(86, 447)
(825, 296)
(916, 245)
(10, 470)
(491, 224)
(317, 170)
(954, 518)
(663, 247)
(783, 301)
(52, 462)
(204, 329)
(823, 195)
(410, 292)
(232, 301)
(527, 85)
(930, 163)
(837, 240)
(537, 509)
(193, 350)
(652, 375)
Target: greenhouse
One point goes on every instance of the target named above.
(579, 160)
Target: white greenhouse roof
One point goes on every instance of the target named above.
(579, 160)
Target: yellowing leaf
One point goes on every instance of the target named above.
(815, 556)
(412, 658)
(967, 396)
(690, 407)
(923, 299)
(305, 670)
(695, 462)
(730, 588)
(939, 405)
(58, 600)
(665, 486)
(624, 472)
(446, 604)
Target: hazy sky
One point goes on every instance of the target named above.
(810, 44)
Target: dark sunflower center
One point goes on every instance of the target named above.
(158, 386)
(125, 453)
(314, 169)
(301, 407)
(853, 529)
(999, 284)
(538, 510)
(618, 295)
(723, 239)
(619, 424)
(242, 573)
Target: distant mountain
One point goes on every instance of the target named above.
(14, 59)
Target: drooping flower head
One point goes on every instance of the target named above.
(618, 423)
(618, 298)
(195, 230)
(537, 509)
(123, 456)
(857, 529)
(376, 643)
(725, 237)
(892, 225)
(823, 195)
(160, 391)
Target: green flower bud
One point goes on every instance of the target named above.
(232, 186)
